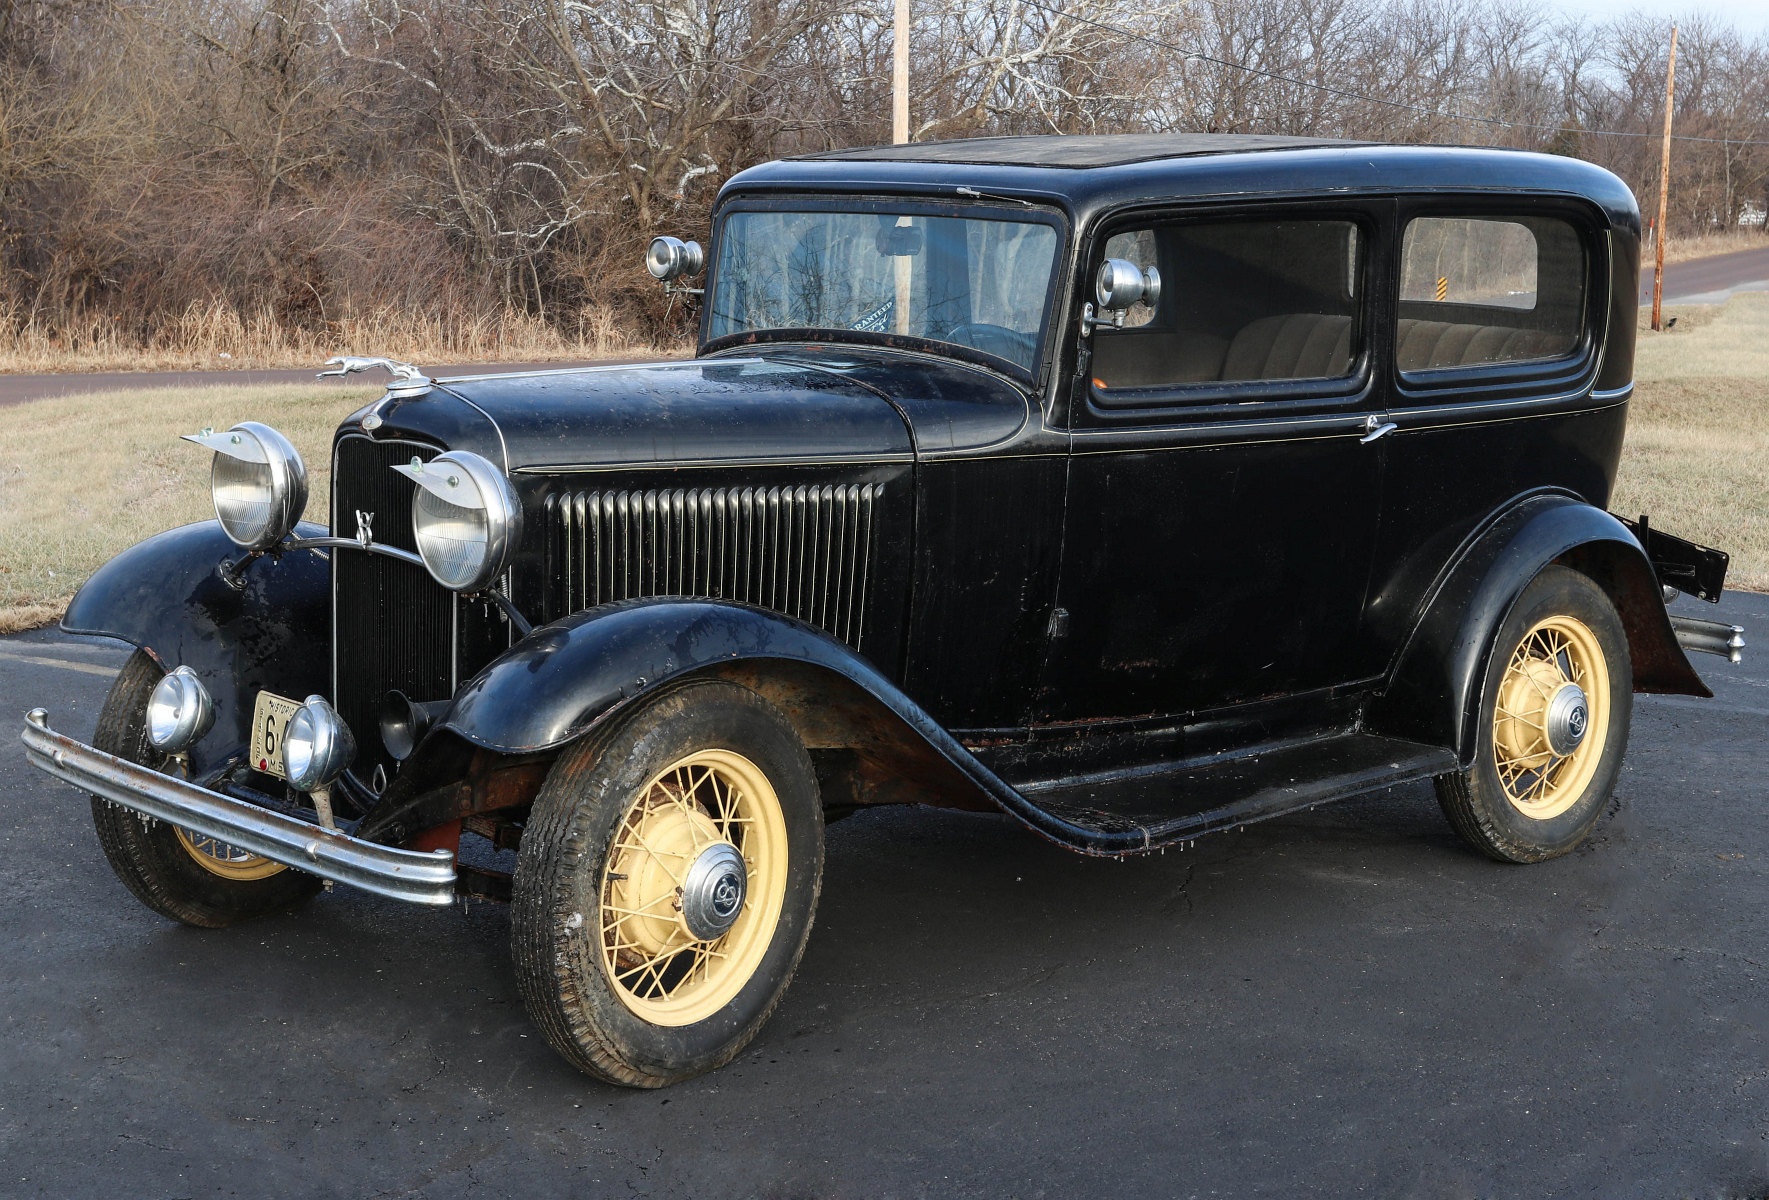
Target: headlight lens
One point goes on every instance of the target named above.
(465, 517)
(179, 712)
(317, 745)
(258, 481)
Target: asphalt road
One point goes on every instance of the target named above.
(1342, 1003)
(16, 389)
(1710, 280)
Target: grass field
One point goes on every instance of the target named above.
(82, 477)
(1697, 454)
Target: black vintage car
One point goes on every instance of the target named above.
(1138, 487)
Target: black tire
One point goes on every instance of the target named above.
(1476, 801)
(561, 970)
(148, 856)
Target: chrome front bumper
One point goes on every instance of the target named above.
(418, 876)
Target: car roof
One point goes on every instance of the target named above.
(1076, 151)
(1087, 175)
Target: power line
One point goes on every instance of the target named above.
(1350, 95)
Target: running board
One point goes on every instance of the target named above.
(1132, 811)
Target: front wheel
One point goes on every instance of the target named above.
(1554, 713)
(666, 885)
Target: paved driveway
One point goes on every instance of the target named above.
(1343, 1003)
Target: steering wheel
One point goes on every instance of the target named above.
(991, 339)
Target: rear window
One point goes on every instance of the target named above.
(1486, 290)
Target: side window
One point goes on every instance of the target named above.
(1240, 301)
(1487, 290)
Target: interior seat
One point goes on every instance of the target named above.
(1292, 346)
(1427, 344)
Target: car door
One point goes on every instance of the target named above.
(1223, 489)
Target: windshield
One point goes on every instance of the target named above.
(968, 281)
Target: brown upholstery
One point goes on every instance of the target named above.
(1426, 344)
(1294, 346)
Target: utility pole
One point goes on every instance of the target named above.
(1664, 189)
(900, 135)
(900, 76)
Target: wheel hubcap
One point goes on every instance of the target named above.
(712, 895)
(1568, 715)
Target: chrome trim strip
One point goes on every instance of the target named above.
(1613, 393)
(1709, 637)
(638, 366)
(674, 464)
(416, 876)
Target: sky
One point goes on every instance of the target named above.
(1750, 16)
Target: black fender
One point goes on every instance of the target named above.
(1433, 692)
(566, 680)
(166, 596)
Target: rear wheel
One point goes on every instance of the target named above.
(666, 885)
(186, 876)
(1554, 715)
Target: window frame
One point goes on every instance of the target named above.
(1205, 400)
(1515, 378)
(905, 203)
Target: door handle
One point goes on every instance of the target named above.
(1376, 427)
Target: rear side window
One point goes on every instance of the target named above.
(1486, 290)
(1240, 301)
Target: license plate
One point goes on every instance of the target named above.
(270, 721)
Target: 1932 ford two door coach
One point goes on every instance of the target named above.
(1139, 487)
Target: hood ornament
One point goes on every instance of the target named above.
(408, 382)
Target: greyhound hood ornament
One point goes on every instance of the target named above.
(408, 382)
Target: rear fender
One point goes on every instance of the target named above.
(1433, 694)
(167, 597)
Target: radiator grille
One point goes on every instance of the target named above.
(392, 625)
(803, 551)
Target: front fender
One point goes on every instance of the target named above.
(165, 596)
(561, 679)
(1433, 694)
(564, 680)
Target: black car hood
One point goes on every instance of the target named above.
(678, 413)
(786, 405)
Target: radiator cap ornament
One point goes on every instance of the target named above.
(408, 382)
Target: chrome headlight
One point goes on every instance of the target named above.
(466, 519)
(179, 712)
(317, 745)
(259, 483)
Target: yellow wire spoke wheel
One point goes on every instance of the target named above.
(224, 859)
(693, 887)
(1551, 721)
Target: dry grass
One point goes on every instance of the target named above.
(83, 477)
(218, 337)
(1697, 454)
(1682, 249)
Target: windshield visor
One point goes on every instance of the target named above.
(966, 281)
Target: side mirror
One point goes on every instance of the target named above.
(671, 258)
(1121, 284)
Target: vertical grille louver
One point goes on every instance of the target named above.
(393, 626)
(803, 551)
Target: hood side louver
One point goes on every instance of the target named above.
(803, 551)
